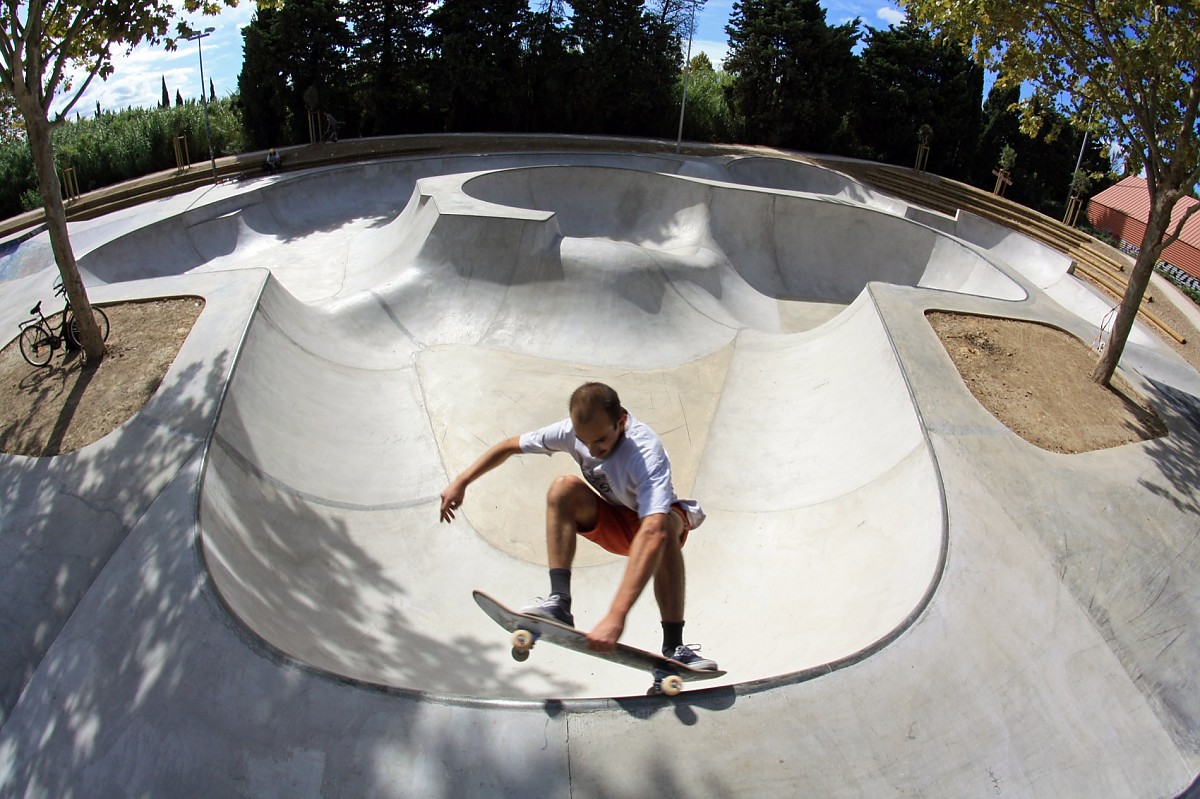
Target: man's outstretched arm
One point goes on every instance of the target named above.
(456, 492)
(645, 552)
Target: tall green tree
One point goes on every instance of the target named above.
(317, 40)
(389, 65)
(628, 61)
(477, 46)
(547, 70)
(39, 44)
(795, 77)
(908, 81)
(263, 82)
(1128, 66)
(295, 60)
(707, 116)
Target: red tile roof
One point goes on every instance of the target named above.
(1132, 198)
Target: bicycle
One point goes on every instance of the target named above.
(40, 337)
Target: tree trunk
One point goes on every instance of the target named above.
(60, 242)
(1139, 279)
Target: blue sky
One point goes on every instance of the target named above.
(137, 80)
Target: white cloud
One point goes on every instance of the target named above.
(891, 15)
(137, 76)
(716, 51)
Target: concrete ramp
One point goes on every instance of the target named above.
(320, 500)
(725, 317)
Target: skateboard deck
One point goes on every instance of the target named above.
(528, 630)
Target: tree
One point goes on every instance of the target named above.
(679, 15)
(478, 49)
(631, 60)
(909, 81)
(706, 115)
(39, 44)
(389, 61)
(10, 124)
(547, 69)
(262, 85)
(316, 44)
(178, 98)
(212, 91)
(294, 51)
(1129, 66)
(795, 77)
(166, 96)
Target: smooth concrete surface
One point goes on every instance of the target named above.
(244, 591)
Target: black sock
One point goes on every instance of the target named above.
(672, 636)
(560, 583)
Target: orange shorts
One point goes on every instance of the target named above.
(616, 525)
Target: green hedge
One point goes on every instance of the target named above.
(116, 147)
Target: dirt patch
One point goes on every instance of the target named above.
(65, 406)
(1037, 381)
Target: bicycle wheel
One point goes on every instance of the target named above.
(37, 346)
(101, 322)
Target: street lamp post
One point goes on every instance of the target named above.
(196, 37)
(687, 66)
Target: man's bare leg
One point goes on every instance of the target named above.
(670, 585)
(669, 577)
(570, 507)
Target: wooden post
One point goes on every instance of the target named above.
(315, 131)
(1003, 181)
(183, 159)
(922, 157)
(1072, 213)
(70, 185)
(924, 136)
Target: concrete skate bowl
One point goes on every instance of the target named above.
(791, 175)
(797, 247)
(299, 219)
(344, 420)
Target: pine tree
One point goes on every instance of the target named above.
(796, 78)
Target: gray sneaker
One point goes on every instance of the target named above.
(553, 608)
(689, 655)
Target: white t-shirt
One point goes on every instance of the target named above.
(636, 474)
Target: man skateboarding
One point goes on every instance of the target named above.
(629, 509)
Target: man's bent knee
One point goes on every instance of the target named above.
(572, 496)
(566, 488)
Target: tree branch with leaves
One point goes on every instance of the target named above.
(1133, 61)
(40, 44)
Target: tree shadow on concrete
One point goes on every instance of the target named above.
(1178, 454)
(64, 518)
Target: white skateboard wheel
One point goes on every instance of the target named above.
(672, 685)
(522, 640)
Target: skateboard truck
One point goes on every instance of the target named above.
(522, 642)
(665, 682)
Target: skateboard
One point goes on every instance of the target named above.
(669, 675)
